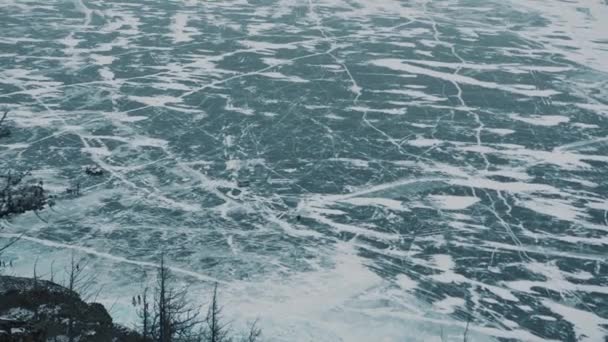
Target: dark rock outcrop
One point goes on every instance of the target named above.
(39, 310)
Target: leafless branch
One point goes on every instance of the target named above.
(217, 330)
(4, 131)
(3, 116)
(466, 329)
(11, 243)
(254, 333)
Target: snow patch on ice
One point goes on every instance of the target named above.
(541, 120)
(587, 325)
(453, 202)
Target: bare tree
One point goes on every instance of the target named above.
(5, 247)
(52, 278)
(35, 272)
(172, 318)
(465, 335)
(144, 314)
(73, 281)
(79, 282)
(217, 331)
(169, 317)
(254, 334)
(163, 302)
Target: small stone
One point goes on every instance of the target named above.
(243, 183)
(93, 170)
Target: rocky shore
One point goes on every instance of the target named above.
(39, 310)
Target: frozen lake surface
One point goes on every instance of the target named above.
(347, 170)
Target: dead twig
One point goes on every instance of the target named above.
(466, 329)
(3, 117)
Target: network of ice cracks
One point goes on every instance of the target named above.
(346, 170)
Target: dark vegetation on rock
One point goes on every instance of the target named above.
(35, 310)
(39, 310)
(93, 170)
(18, 196)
